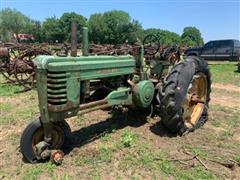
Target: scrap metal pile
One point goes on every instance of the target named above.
(16, 60)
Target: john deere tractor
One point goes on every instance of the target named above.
(178, 91)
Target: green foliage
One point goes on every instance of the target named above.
(36, 30)
(114, 27)
(165, 37)
(13, 21)
(65, 24)
(52, 30)
(111, 27)
(192, 37)
(55, 29)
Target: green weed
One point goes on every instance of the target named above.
(2, 174)
(237, 158)
(128, 139)
(9, 89)
(4, 107)
(225, 73)
(35, 171)
(225, 92)
(66, 177)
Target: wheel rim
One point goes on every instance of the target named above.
(8, 71)
(57, 138)
(195, 100)
(25, 77)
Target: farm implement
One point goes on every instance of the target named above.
(178, 91)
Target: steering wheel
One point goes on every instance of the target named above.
(151, 44)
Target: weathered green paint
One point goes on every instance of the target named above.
(85, 41)
(73, 89)
(143, 94)
(122, 96)
(41, 75)
(42, 62)
(59, 82)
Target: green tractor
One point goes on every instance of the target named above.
(177, 92)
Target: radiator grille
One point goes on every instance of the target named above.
(57, 88)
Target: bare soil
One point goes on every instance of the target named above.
(213, 148)
(224, 98)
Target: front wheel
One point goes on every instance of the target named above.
(185, 95)
(33, 134)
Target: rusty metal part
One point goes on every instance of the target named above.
(74, 38)
(17, 66)
(57, 156)
(4, 52)
(41, 147)
(103, 106)
(42, 150)
(194, 103)
(24, 68)
(92, 104)
(194, 99)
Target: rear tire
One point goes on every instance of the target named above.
(175, 90)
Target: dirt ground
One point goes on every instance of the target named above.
(126, 147)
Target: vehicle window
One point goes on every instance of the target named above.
(209, 45)
(224, 44)
(237, 43)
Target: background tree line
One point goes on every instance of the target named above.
(112, 27)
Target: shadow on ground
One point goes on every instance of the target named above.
(95, 131)
(159, 129)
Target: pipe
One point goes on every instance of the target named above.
(104, 106)
(73, 39)
(85, 41)
(92, 104)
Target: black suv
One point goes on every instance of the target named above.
(219, 50)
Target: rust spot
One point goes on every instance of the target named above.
(103, 71)
(57, 156)
(59, 108)
(4, 52)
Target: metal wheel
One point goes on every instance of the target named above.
(24, 69)
(33, 135)
(57, 137)
(24, 73)
(7, 69)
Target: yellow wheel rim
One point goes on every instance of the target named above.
(195, 100)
